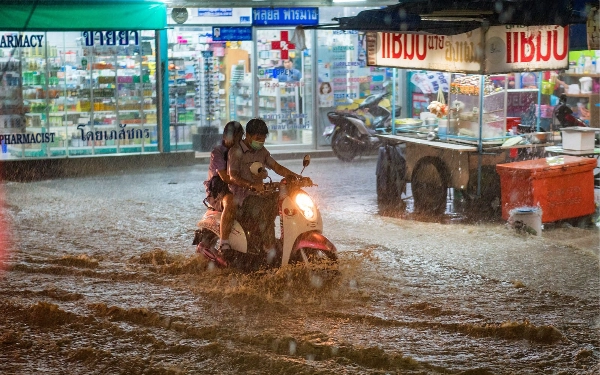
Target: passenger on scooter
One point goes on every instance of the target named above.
(218, 194)
(246, 187)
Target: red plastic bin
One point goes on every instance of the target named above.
(512, 122)
(562, 191)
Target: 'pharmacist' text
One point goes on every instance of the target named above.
(20, 139)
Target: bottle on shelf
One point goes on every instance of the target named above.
(580, 65)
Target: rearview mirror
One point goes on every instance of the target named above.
(306, 161)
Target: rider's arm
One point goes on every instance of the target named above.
(218, 163)
(281, 170)
(224, 176)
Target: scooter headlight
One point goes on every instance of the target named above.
(306, 205)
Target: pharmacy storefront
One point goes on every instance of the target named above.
(239, 63)
(81, 80)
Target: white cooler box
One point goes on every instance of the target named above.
(578, 138)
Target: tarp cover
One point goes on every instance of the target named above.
(80, 15)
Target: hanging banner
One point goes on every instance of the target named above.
(501, 49)
(593, 29)
(526, 48)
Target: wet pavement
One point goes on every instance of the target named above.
(102, 278)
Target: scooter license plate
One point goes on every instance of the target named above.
(328, 130)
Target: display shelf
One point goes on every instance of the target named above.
(579, 75)
(110, 83)
(579, 95)
(467, 123)
(590, 100)
(522, 90)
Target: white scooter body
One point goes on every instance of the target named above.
(293, 225)
(237, 238)
(301, 231)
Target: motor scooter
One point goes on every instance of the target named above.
(301, 226)
(353, 132)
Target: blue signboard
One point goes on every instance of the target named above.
(285, 16)
(215, 12)
(226, 33)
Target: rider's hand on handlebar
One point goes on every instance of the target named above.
(307, 181)
(258, 186)
(263, 174)
(294, 177)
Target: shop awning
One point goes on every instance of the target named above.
(72, 15)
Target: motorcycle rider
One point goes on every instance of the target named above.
(218, 194)
(259, 210)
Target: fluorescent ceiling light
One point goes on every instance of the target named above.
(349, 1)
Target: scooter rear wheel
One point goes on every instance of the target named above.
(342, 144)
(209, 247)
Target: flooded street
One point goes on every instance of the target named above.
(101, 278)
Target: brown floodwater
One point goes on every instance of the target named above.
(101, 278)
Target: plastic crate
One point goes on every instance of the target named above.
(562, 191)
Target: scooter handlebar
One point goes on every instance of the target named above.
(273, 187)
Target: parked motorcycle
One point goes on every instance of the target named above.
(353, 132)
(301, 239)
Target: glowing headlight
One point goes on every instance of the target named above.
(306, 205)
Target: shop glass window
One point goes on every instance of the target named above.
(209, 85)
(77, 94)
(285, 80)
(344, 79)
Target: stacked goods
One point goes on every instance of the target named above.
(469, 85)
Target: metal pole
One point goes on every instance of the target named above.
(315, 103)
(480, 141)
(162, 87)
(394, 77)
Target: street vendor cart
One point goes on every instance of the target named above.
(461, 149)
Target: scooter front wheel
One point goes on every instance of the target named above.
(344, 144)
(310, 255)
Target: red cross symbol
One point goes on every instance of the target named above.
(283, 45)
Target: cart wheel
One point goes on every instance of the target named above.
(391, 185)
(390, 189)
(342, 144)
(429, 184)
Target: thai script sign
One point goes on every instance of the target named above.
(501, 49)
(285, 16)
(227, 33)
(110, 38)
(108, 135)
(215, 12)
(16, 41)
